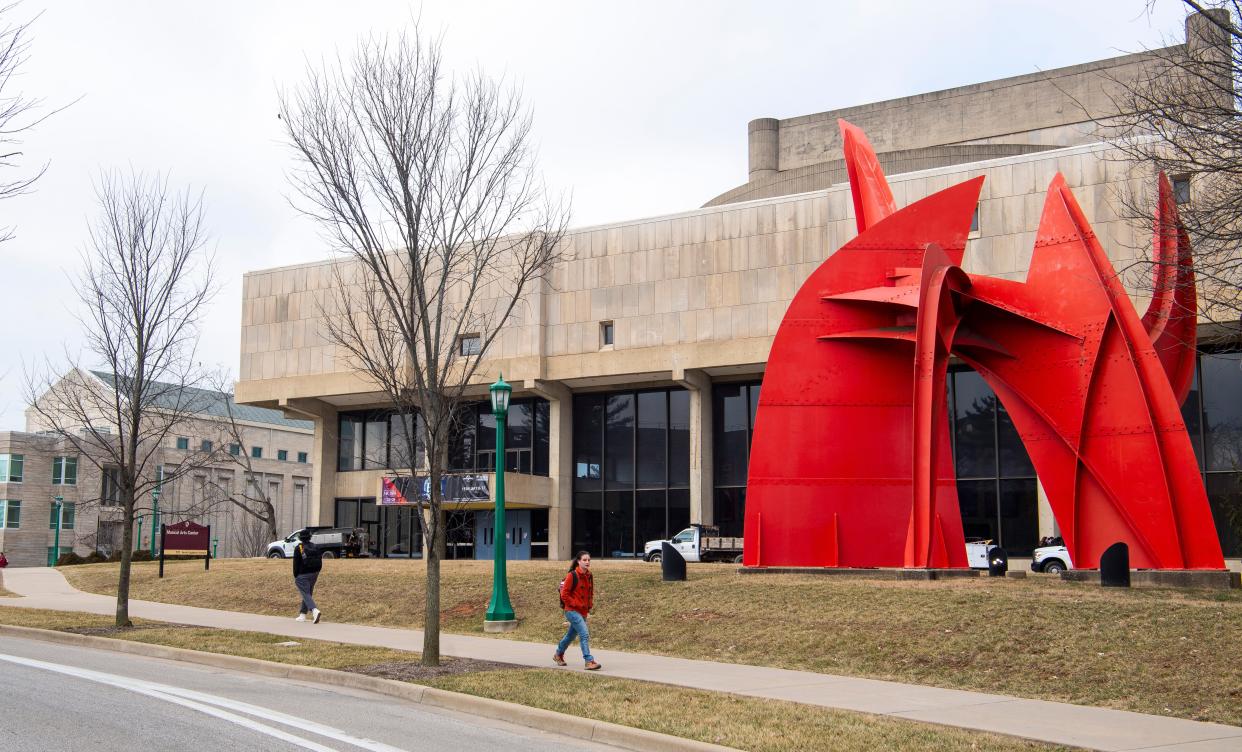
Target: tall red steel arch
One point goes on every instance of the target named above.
(851, 464)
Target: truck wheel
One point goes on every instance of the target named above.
(737, 559)
(1054, 566)
(655, 557)
(275, 555)
(329, 554)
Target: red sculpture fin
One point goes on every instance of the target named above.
(1171, 319)
(1164, 257)
(873, 200)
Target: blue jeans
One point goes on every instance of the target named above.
(577, 625)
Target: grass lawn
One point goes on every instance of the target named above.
(745, 723)
(1154, 651)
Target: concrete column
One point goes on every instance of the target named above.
(1208, 42)
(702, 487)
(323, 454)
(560, 464)
(763, 135)
(1047, 522)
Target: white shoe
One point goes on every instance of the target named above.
(301, 617)
(316, 614)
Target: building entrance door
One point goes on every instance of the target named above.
(517, 536)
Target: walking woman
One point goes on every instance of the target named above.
(577, 598)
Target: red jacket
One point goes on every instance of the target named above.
(580, 597)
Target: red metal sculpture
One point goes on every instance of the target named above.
(851, 463)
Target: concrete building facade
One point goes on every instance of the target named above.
(37, 465)
(642, 356)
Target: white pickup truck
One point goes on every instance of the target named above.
(1051, 556)
(336, 542)
(698, 543)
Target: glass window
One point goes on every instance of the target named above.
(110, 494)
(518, 426)
(652, 440)
(462, 439)
(64, 471)
(206, 445)
(1181, 189)
(977, 499)
(349, 443)
(605, 333)
(1222, 409)
(678, 508)
(588, 440)
(730, 424)
(619, 523)
(1019, 516)
(678, 438)
(685, 536)
(376, 443)
(1225, 497)
(10, 513)
(400, 427)
(588, 522)
(470, 344)
(302, 457)
(974, 426)
(183, 442)
(485, 440)
(542, 436)
(70, 514)
(235, 450)
(282, 455)
(650, 518)
(730, 510)
(256, 452)
(1014, 461)
(619, 441)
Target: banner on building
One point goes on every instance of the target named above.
(407, 490)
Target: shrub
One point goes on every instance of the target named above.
(94, 557)
(141, 555)
(69, 559)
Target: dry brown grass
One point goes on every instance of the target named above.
(1154, 651)
(742, 722)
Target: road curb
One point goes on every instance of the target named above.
(600, 732)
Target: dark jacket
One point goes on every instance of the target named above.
(578, 591)
(307, 559)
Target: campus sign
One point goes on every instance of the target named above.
(850, 463)
(407, 490)
(185, 539)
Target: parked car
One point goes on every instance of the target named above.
(1051, 556)
(698, 543)
(336, 542)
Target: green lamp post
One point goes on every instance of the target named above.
(59, 501)
(141, 517)
(500, 616)
(155, 516)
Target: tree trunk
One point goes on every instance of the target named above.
(127, 556)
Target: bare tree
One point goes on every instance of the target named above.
(145, 279)
(1180, 116)
(425, 184)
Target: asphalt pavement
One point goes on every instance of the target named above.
(57, 697)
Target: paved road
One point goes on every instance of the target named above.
(56, 697)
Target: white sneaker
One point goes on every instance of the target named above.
(301, 617)
(316, 614)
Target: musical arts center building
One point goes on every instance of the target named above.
(637, 367)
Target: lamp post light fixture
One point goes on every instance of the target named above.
(59, 501)
(215, 547)
(500, 616)
(155, 516)
(141, 518)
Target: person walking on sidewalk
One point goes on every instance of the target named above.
(307, 561)
(577, 599)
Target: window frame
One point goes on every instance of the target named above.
(282, 455)
(607, 334)
(7, 507)
(256, 452)
(6, 473)
(464, 350)
(303, 457)
(69, 518)
(61, 466)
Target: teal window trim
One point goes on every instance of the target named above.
(282, 455)
(10, 514)
(235, 450)
(183, 443)
(256, 452)
(302, 457)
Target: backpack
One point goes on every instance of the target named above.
(312, 557)
(560, 590)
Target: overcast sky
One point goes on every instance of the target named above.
(640, 108)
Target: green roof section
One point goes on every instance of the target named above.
(217, 404)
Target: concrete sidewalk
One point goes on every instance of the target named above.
(1058, 723)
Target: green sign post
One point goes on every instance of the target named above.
(59, 502)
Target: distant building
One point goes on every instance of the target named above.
(36, 466)
(638, 365)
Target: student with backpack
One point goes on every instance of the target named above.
(307, 562)
(577, 598)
